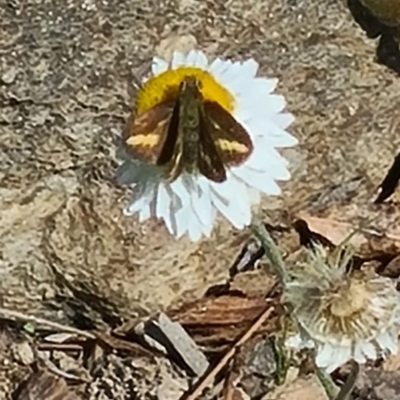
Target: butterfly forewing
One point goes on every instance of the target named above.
(209, 160)
(149, 133)
(171, 140)
(232, 142)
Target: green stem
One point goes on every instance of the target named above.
(271, 249)
(327, 383)
(274, 256)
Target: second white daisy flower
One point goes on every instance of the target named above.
(342, 315)
(190, 203)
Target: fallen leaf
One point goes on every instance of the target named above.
(334, 231)
(217, 321)
(228, 309)
(370, 242)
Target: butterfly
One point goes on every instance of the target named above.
(189, 134)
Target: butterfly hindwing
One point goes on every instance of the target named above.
(231, 139)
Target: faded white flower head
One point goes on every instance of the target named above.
(190, 201)
(342, 315)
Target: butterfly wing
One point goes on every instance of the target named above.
(223, 142)
(151, 134)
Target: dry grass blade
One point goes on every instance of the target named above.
(18, 316)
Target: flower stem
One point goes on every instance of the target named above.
(327, 383)
(271, 249)
(274, 256)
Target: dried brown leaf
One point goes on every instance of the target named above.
(224, 310)
(370, 242)
(214, 321)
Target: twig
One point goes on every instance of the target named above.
(348, 386)
(209, 376)
(15, 315)
(66, 347)
(57, 371)
(271, 249)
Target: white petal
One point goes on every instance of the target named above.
(358, 354)
(231, 199)
(202, 204)
(386, 342)
(269, 85)
(178, 60)
(195, 230)
(249, 68)
(158, 66)
(230, 75)
(342, 355)
(268, 161)
(202, 61)
(369, 350)
(295, 342)
(258, 180)
(191, 58)
(141, 196)
(325, 356)
(182, 217)
(271, 134)
(163, 202)
(181, 191)
(170, 222)
(196, 58)
(144, 213)
(187, 222)
(219, 67)
(283, 120)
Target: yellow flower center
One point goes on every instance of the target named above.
(350, 299)
(165, 87)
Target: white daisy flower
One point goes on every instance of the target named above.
(190, 203)
(342, 315)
